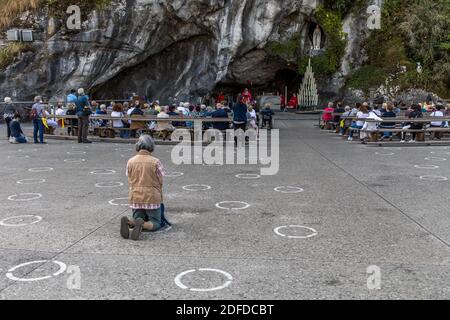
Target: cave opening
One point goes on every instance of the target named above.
(287, 78)
(283, 78)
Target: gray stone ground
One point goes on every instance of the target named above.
(368, 206)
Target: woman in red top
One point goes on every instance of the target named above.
(247, 97)
(328, 114)
(220, 97)
(293, 103)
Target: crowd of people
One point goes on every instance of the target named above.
(348, 120)
(85, 112)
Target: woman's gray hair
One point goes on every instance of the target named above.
(38, 99)
(145, 142)
(8, 100)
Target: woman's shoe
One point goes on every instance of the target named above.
(138, 225)
(124, 228)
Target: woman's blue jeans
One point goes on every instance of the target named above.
(38, 127)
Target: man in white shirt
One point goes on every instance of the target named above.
(437, 124)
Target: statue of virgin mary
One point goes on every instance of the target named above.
(317, 38)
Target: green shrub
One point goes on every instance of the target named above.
(10, 52)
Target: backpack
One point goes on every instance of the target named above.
(33, 114)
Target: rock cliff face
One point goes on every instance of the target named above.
(161, 48)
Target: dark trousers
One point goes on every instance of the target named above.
(8, 129)
(83, 128)
(242, 126)
(268, 123)
(38, 128)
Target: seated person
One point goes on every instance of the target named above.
(438, 113)
(165, 127)
(327, 116)
(220, 113)
(173, 113)
(346, 120)
(267, 116)
(390, 113)
(337, 118)
(137, 125)
(102, 111)
(17, 135)
(71, 122)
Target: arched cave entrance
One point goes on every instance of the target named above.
(287, 78)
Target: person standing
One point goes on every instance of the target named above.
(83, 113)
(283, 103)
(8, 114)
(239, 117)
(247, 97)
(145, 176)
(72, 96)
(37, 114)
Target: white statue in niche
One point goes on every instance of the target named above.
(419, 68)
(317, 38)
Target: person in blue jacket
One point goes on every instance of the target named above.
(220, 113)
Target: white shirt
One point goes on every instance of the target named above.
(129, 113)
(60, 112)
(361, 115)
(437, 114)
(117, 123)
(371, 126)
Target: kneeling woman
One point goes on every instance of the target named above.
(145, 177)
(17, 135)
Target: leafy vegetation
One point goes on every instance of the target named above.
(413, 31)
(11, 9)
(330, 61)
(10, 52)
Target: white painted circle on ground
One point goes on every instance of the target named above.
(385, 154)
(174, 174)
(75, 160)
(433, 178)
(248, 176)
(72, 153)
(312, 234)
(31, 181)
(228, 205)
(426, 166)
(108, 184)
(10, 275)
(124, 149)
(43, 169)
(20, 219)
(113, 202)
(197, 187)
(435, 159)
(103, 171)
(223, 286)
(288, 189)
(25, 197)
